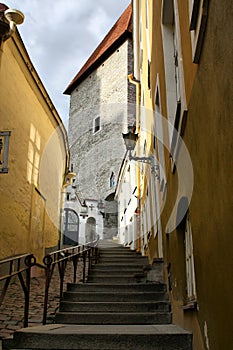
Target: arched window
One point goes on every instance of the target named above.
(112, 180)
(71, 227)
(90, 234)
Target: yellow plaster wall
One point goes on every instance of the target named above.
(35, 152)
(187, 320)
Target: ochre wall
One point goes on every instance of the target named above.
(208, 136)
(26, 196)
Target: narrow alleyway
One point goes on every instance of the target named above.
(119, 307)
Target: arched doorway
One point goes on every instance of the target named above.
(110, 217)
(90, 234)
(71, 227)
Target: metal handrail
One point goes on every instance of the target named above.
(60, 258)
(17, 265)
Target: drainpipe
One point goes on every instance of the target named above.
(137, 83)
(136, 37)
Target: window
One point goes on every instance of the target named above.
(33, 162)
(189, 259)
(148, 72)
(171, 62)
(159, 135)
(71, 227)
(198, 10)
(185, 239)
(112, 180)
(176, 96)
(96, 126)
(4, 148)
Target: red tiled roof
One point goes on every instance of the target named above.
(119, 32)
(3, 8)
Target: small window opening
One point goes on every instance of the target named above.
(96, 125)
(112, 180)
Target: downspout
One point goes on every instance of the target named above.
(137, 83)
(134, 79)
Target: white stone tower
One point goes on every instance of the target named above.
(100, 96)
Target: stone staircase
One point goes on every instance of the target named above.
(120, 307)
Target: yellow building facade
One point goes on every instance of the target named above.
(182, 69)
(34, 157)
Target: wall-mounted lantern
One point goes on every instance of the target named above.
(130, 140)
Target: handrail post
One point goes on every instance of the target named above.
(75, 265)
(62, 268)
(89, 259)
(29, 261)
(27, 297)
(48, 262)
(47, 274)
(84, 266)
(96, 254)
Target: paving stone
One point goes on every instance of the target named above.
(12, 328)
(4, 317)
(12, 323)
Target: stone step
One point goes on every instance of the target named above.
(103, 287)
(115, 271)
(109, 244)
(120, 267)
(99, 337)
(125, 318)
(123, 258)
(124, 252)
(114, 248)
(112, 279)
(104, 306)
(115, 297)
(117, 267)
(123, 261)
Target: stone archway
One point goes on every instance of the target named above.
(71, 227)
(110, 217)
(90, 232)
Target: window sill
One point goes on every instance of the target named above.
(190, 305)
(4, 171)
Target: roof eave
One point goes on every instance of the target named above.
(126, 35)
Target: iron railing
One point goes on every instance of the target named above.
(18, 266)
(87, 253)
(21, 265)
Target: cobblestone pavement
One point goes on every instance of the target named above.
(12, 309)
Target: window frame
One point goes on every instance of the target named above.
(4, 152)
(96, 127)
(191, 292)
(198, 11)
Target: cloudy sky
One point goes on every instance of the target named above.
(60, 35)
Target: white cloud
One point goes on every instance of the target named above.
(60, 36)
